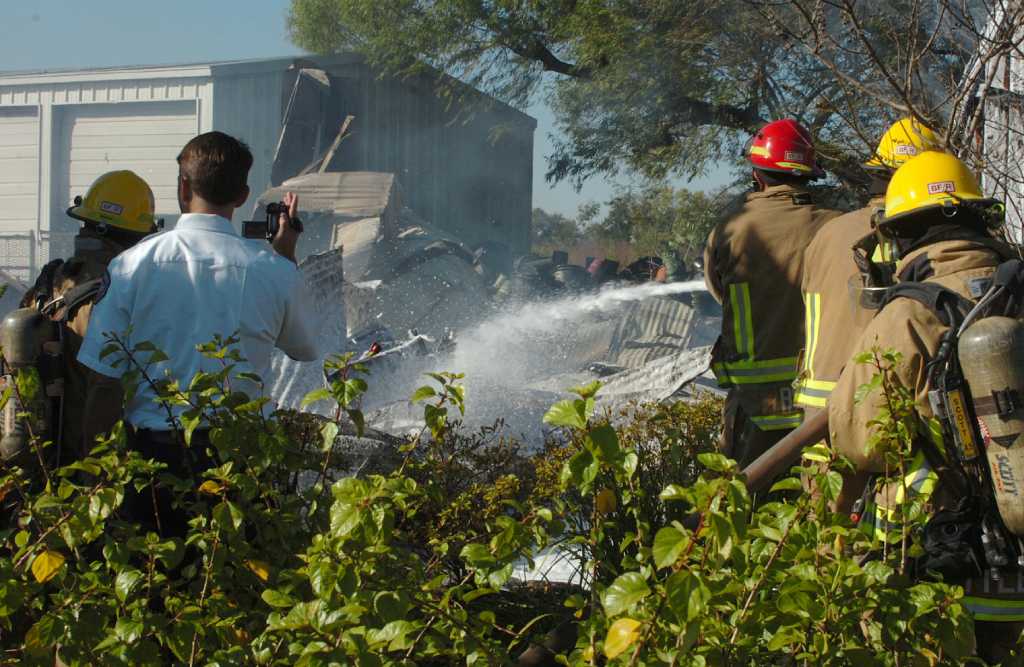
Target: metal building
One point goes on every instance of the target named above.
(1003, 176)
(469, 171)
(999, 141)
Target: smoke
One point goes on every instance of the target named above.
(541, 338)
(517, 360)
(520, 359)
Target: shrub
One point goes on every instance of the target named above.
(290, 560)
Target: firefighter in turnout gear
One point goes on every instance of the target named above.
(753, 265)
(940, 230)
(829, 267)
(116, 213)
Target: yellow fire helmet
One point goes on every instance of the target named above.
(119, 199)
(903, 140)
(931, 180)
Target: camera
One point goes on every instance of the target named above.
(267, 228)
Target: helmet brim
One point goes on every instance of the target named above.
(85, 214)
(973, 201)
(816, 172)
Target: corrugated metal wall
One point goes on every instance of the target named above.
(470, 177)
(102, 92)
(248, 106)
(1004, 141)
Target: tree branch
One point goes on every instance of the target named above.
(537, 51)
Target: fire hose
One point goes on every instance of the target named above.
(786, 452)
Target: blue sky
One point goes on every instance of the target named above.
(52, 34)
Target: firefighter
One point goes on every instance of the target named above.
(829, 267)
(116, 213)
(752, 266)
(940, 230)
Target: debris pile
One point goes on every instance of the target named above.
(414, 299)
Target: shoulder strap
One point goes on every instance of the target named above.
(948, 306)
(80, 294)
(1010, 276)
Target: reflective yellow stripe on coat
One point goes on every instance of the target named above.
(811, 392)
(779, 422)
(993, 609)
(742, 318)
(919, 480)
(749, 370)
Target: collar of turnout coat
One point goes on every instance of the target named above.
(944, 258)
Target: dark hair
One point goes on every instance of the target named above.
(217, 167)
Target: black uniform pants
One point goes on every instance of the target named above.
(153, 507)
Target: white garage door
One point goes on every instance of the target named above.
(143, 137)
(19, 188)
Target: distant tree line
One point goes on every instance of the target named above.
(653, 220)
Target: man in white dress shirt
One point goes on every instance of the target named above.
(179, 289)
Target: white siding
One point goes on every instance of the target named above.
(19, 190)
(101, 92)
(19, 169)
(91, 140)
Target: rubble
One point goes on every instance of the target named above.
(522, 332)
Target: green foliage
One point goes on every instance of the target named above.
(731, 582)
(655, 220)
(666, 88)
(660, 219)
(415, 564)
(553, 231)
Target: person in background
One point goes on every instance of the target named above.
(182, 288)
(116, 213)
(831, 325)
(753, 265)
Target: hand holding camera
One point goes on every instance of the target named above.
(281, 228)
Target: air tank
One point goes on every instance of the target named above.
(991, 354)
(23, 334)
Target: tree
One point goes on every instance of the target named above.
(656, 86)
(553, 230)
(664, 87)
(660, 219)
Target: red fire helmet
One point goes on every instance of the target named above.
(784, 146)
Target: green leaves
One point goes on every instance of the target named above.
(422, 394)
(277, 599)
(568, 413)
(716, 462)
(328, 434)
(322, 394)
(668, 545)
(126, 582)
(581, 470)
(228, 514)
(687, 596)
(411, 560)
(624, 593)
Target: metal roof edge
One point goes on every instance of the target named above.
(243, 67)
(222, 68)
(190, 71)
